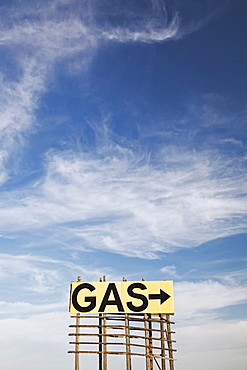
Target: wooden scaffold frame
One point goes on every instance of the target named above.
(146, 335)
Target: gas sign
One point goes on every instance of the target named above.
(122, 297)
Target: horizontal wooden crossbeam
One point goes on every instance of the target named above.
(123, 353)
(121, 344)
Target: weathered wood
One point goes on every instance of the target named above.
(121, 344)
(100, 340)
(121, 317)
(146, 339)
(147, 343)
(169, 339)
(119, 327)
(104, 338)
(128, 348)
(123, 353)
(127, 332)
(120, 336)
(150, 342)
(162, 343)
(77, 346)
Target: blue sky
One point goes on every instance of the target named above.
(123, 153)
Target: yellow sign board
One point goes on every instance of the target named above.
(122, 297)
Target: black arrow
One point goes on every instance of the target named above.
(163, 296)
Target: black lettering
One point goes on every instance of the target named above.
(92, 300)
(115, 302)
(137, 295)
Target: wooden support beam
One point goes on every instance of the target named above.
(150, 342)
(122, 336)
(77, 346)
(118, 327)
(169, 340)
(104, 338)
(120, 317)
(100, 340)
(127, 332)
(146, 339)
(162, 342)
(120, 344)
(121, 353)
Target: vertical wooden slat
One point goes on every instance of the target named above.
(162, 342)
(100, 340)
(77, 337)
(146, 339)
(169, 341)
(150, 341)
(104, 338)
(127, 339)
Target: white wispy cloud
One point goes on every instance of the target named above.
(148, 32)
(26, 308)
(135, 208)
(170, 271)
(51, 39)
(197, 301)
(215, 344)
(40, 35)
(233, 277)
(39, 276)
(18, 101)
(124, 205)
(35, 45)
(48, 332)
(34, 278)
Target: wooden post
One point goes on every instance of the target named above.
(162, 341)
(77, 339)
(169, 341)
(104, 338)
(147, 342)
(127, 340)
(146, 339)
(100, 340)
(150, 341)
